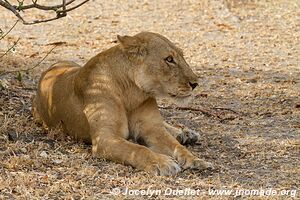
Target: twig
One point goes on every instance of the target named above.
(31, 68)
(59, 13)
(41, 7)
(228, 109)
(70, 9)
(35, 66)
(64, 6)
(41, 21)
(3, 36)
(204, 111)
(8, 50)
(8, 6)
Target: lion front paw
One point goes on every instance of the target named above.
(198, 164)
(164, 166)
(188, 160)
(187, 136)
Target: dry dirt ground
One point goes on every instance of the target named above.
(247, 56)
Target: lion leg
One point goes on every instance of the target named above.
(183, 136)
(120, 150)
(154, 134)
(109, 133)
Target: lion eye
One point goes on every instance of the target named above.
(170, 59)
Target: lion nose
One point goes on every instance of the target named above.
(193, 85)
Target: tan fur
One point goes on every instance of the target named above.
(112, 98)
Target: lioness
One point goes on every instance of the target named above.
(112, 98)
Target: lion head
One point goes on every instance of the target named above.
(160, 67)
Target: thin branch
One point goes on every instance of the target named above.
(59, 13)
(8, 50)
(35, 66)
(64, 5)
(70, 9)
(31, 68)
(228, 109)
(41, 21)
(41, 7)
(8, 6)
(3, 36)
(62, 13)
(207, 112)
(204, 111)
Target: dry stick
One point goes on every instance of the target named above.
(70, 9)
(41, 7)
(8, 6)
(41, 21)
(15, 43)
(64, 5)
(59, 14)
(204, 111)
(228, 109)
(63, 13)
(3, 36)
(8, 50)
(35, 66)
(31, 68)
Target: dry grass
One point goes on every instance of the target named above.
(247, 58)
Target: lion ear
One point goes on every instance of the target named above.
(132, 45)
